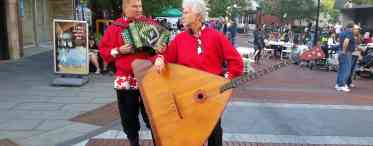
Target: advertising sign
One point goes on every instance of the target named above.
(70, 47)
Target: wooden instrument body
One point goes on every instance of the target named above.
(183, 104)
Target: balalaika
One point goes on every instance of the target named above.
(145, 34)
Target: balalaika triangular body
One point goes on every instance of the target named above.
(183, 104)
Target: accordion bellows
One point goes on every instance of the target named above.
(145, 35)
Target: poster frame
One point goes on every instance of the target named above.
(86, 47)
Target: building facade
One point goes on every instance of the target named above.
(4, 50)
(29, 23)
(359, 14)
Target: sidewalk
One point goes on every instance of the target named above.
(294, 84)
(33, 113)
(291, 106)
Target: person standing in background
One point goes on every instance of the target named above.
(258, 43)
(347, 45)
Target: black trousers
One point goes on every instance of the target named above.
(216, 137)
(130, 104)
(259, 55)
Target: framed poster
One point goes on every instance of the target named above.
(70, 47)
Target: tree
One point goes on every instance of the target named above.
(298, 9)
(152, 7)
(99, 6)
(327, 8)
(217, 8)
(290, 9)
(270, 7)
(244, 6)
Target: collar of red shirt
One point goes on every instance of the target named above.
(199, 33)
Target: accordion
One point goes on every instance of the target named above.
(145, 35)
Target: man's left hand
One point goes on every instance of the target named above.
(161, 48)
(159, 64)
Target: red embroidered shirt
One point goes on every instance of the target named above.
(209, 55)
(112, 40)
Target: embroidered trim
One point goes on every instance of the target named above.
(125, 82)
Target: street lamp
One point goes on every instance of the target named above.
(317, 23)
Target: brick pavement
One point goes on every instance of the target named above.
(101, 116)
(294, 84)
(119, 142)
(51, 125)
(291, 84)
(108, 113)
(7, 142)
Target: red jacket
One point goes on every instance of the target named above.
(215, 50)
(113, 39)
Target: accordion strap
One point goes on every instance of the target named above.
(120, 25)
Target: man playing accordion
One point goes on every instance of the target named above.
(115, 47)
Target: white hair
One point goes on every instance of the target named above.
(198, 6)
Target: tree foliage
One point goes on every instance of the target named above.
(217, 8)
(327, 8)
(150, 7)
(244, 6)
(269, 7)
(290, 9)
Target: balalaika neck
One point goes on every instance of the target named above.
(245, 78)
(235, 82)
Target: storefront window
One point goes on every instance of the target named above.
(28, 23)
(42, 21)
(34, 18)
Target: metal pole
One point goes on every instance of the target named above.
(317, 23)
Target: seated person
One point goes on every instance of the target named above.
(93, 55)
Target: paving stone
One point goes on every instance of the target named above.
(20, 125)
(7, 105)
(81, 107)
(48, 125)
(38, 115)
(71, 100)
(104, 100)
(20, 98)
(38, 106)
(18, 135)
(58, 135)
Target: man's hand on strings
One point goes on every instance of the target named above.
(159, 64)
